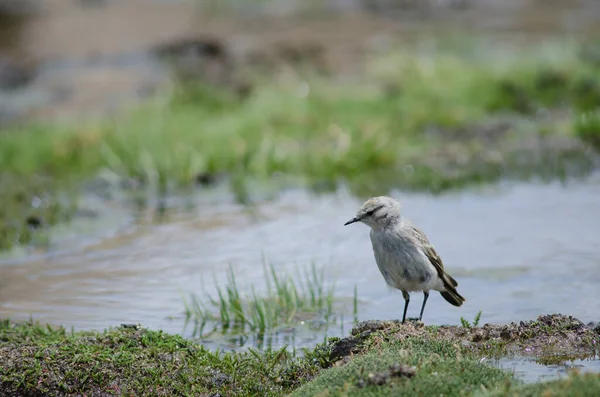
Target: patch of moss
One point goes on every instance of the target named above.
(131, 361)
(440, 368)
(380, 358)
(549, 337)
(386, 358)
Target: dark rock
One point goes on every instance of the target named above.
(478, 337)
(368, 326)
(131, 326)
(206, 178)
(33, 222)
(560, 321)
(344, 347)
(359, 334)
(506, 333)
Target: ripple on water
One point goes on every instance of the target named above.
(518, 250)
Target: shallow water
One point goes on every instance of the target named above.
(529, 371)
(517, 250)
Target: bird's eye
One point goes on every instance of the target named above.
(369, 213)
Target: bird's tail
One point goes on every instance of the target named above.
(451, 294)
(454, 298)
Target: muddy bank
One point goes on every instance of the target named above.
(379, 358)
(550, 338)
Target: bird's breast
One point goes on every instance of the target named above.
(403, 265)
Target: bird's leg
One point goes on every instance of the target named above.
(406, 302)
(425, 296)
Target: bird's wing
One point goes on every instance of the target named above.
(429, 251)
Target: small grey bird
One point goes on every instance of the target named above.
(404, 255)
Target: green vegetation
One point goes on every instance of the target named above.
(465, 323)
(430, 120)
(587, 127)
(439, 369)
(378, 359)
(288, 300)
(38, 360)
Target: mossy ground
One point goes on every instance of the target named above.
(40, 361)
(440, 368)
(549, 339)
(429, 120)
(379, 359)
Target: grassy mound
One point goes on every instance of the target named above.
(378, 359)
(126, 361)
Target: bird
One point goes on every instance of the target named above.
(403, 253)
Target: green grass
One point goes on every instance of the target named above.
(428, 120)
(287, 301)
(132, 361)
(38, 360)
(336, 131)
(587, 127)
(440, 369)
(465, 323)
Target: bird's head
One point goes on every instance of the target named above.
(377, 212)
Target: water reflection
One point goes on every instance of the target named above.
(517, 252)
(529, 371)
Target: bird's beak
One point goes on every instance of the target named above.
(355, 219)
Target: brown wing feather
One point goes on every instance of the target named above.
(431, 254)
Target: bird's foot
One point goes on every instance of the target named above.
(409, 319)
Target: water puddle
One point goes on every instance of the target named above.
(530, 371)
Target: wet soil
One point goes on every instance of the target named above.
(549, 339)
